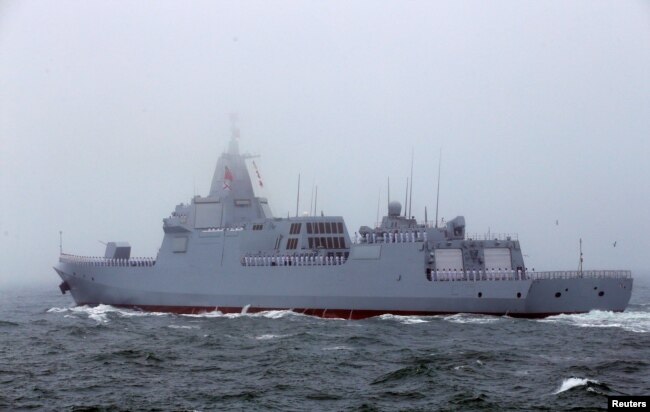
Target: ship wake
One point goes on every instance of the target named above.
(638, 322)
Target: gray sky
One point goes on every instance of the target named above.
(113, 112)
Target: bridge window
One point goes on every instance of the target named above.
(339, 225)
(328, 227)
(258, 227)
(295, 228)
(321, 227)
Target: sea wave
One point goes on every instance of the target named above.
(183, 327)
(406, 320)
(632, 321)
(472, 318)
(269, 314)
(100, 313)
(337, 348)
(573, 382)
(270, 336)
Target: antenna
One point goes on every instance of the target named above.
(311, 203)
(438, 188)
(426, 221)
(411, 191)
(298, 195)
(406, 198)
(581, 259)
(316, 200)
(233, 147)
(234, 132)
(61, 241)
(388, 199)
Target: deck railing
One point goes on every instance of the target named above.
(492, 236)
(496, 275)
(291, 260)
(100, 261)
(617, 274)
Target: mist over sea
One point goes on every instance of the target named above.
(54, 356)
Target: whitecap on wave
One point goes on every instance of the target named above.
(471, 318)
(570, 383)
(270, 336)
(631, 321)
(100, 313)
(269, 314)
(407, 320)
(337, 348)
(183, 327)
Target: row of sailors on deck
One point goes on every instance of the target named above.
(387, 237)
(292, 260)
(99, 261)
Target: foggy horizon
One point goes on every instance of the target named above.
(111, 115)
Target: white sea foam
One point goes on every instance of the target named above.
(269, 337)
(572, 383)
(182, 327)
(337, 348)
(274, 314)
(472, 319)
(100, 313)
(631, 321)
(270, 314)
(211, 314)
(407, 320)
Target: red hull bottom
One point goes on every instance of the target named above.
(322, 313)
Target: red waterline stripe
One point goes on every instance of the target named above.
(322, 313)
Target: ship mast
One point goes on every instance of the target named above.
(581, 259)
(411, 189)
(438, 188)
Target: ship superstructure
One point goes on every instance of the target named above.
(227, 252)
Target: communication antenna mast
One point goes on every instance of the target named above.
(311, 201)
(234, 131)
(298, 195)
(438, 189)
(316, 200)
(388, 199)
(61, 241)
(406, 196)
(426, 220)
(581, 259)
(411, 190)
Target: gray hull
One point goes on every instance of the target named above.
(394, 283)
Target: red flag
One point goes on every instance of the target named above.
(228, 175)
(227, 179)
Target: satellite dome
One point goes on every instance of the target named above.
(394, 208)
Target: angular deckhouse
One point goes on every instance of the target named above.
(227, 252)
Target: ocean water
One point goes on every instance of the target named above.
(54, 356)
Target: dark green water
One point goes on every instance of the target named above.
(54, 356)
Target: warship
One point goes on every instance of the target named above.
(226, 252)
